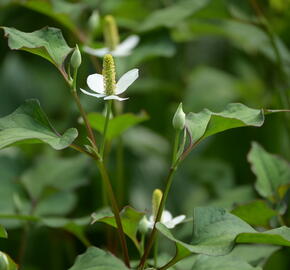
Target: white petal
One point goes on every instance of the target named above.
(96, 52)
(166, 216)
(114, 97)
(177, 220)
(91, 94)
(126, 80)
(96, 83)
(125, 47)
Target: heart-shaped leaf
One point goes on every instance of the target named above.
(272, 172)
(47, 43)
(117, 125)
(29, 124)
(130, 219)
(206, 123)
(216, 231)
(97, 259)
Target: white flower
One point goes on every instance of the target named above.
(97, 84)
(123, 49)
(166, 220)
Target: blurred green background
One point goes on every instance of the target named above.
(205, 57)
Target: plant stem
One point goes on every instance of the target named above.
(152, 236)
(108, 114)
(175, 147)
(84, 116)
(156, 251)
(115, 209)
(120, 170)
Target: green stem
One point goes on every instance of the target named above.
(156, 251)
(142, 243)
(152, 236)
(175, 147)
(108, 114)
(120, 171)
(115, 208)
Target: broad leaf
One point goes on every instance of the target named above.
(47, 43)
(216, 231)
(256, 213)
(204, 262)
(272, 172)
(206, 123)
(29, 124)
(3, 233)
(172, 15)
(6, 262)
(117, 125)
(97, 259)
(130, 219)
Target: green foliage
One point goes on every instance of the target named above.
(6, 262)
(29, 124)
(3, 233)
(272, 172)
(47, 43)
(97, 259)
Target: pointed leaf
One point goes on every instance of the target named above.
(97, 259)
(206, 123)
(272, 172)
(47, 43)
(29, 124)
(117, 125)
(130, 219)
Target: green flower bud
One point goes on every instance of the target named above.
(143, 225)
(111, 33)
(178, 121)
(94, 21)
(109, 74)
(76, 58)
(156, 200)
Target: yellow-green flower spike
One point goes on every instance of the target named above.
(156, 200)
(109, 74)
(111, 33)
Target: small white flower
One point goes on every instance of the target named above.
(166, 220)
(123, 49)
(96, 83)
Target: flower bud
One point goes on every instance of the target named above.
(111, 33)
(94, 21)
(109, 74)
(143, 225)
(178, 121)
(156, 200)
(76, 58)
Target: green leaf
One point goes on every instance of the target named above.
(117, 125)
(130, 219)
(206, 123)
(97, 259)
(172, 15)
(47, 43)
(216, 231)
(3, 233)
(272, 172)
(29, 124)
(256, 213)
(6, 262)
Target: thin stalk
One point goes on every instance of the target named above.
(152, 236)
(115, 209)
(120, 171)
(84, 116)
(175, 147)
(156, 251)
(108, 114)
(142, 243)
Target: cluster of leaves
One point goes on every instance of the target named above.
(46, 199)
